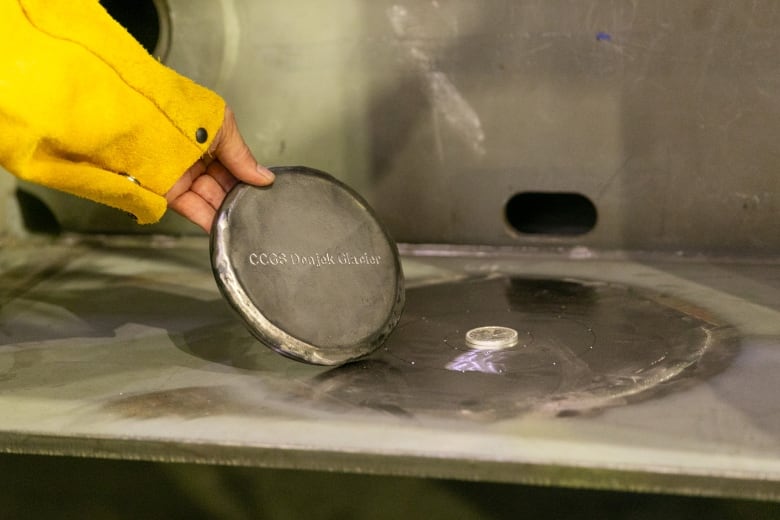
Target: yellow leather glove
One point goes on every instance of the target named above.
(83, 105)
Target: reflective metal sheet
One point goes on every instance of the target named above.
(122, 347)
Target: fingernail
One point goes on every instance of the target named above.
(266, 173)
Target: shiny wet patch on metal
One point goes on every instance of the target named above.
(582, 346)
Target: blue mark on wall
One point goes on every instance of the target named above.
(603, 36)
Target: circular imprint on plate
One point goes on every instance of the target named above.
(582, 345)
(308, 266)
(491, 338)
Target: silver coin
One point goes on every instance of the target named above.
(491, 337)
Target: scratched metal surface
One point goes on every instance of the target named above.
(664, 114)
(118, 347)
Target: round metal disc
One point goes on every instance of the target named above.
(491, 337)
(307, 265)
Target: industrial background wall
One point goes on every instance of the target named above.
(620, 125)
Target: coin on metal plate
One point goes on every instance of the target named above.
(491, 337)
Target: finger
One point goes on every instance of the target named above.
(233, 152)
(185, 181)
(209, 190)
(191, 206)
(221, 174)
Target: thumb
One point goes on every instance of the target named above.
(232, 151)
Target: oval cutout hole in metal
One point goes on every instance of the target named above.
(551, 213)
(146, 20)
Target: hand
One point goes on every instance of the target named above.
(198, 194)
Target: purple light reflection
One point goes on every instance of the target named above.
(485, 361)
